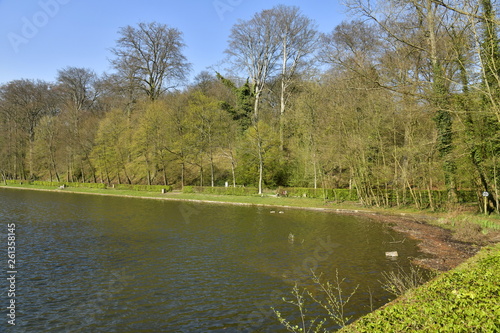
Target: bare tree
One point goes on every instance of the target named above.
(150, 55)
(80, 87)
(254, 47)
(298, 38)
(22, 104)
(421, 25)
(281, 34)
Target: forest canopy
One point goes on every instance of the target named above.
(404, 97)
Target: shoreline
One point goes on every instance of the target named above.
(433, 240)
(222, 202)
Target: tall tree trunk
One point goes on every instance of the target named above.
(212, 171)
(233, 170)
(261, 161)
(258, 93)
(182, 175)
(439, 101)
(165, 180)
(201, 170)
(83, 170)
(283, 94)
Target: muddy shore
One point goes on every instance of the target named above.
(444, 252)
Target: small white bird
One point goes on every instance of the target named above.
(291, 238)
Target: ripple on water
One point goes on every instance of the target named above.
(103, 264)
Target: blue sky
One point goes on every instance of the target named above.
(39, 37)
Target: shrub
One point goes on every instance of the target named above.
(468, 232)
(69, 184)
(145, 188)
(400, 281)
(221, 190)
(338, 195)
(331, 298)
(188, 189)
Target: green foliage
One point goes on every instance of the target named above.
(338, 195)
(188, 189)
(391, 198)
(145, 188)
(69, 184)
(242, 112)
(340, 127)
(241, 191)
(465, 299)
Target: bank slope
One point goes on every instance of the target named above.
(465, 299)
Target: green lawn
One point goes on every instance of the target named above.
(266, 199)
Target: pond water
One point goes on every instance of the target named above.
(109, 264)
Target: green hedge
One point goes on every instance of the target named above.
(221, 190)
(439, 197)
(69, 184)
(338, 195)
(146, 188)
(11, 181)
(188, 189)
(379, 196)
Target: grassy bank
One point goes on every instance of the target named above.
(465, 299)
(268, 199)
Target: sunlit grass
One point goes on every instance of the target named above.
(267, 199)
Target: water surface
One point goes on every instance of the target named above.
(110, 264)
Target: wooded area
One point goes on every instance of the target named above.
(405, 97)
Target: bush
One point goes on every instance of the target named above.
(468, 232)
(188, 189)
(242, 191)
(69, 184)
(145, 188)
(339, 195)
(400, 281)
